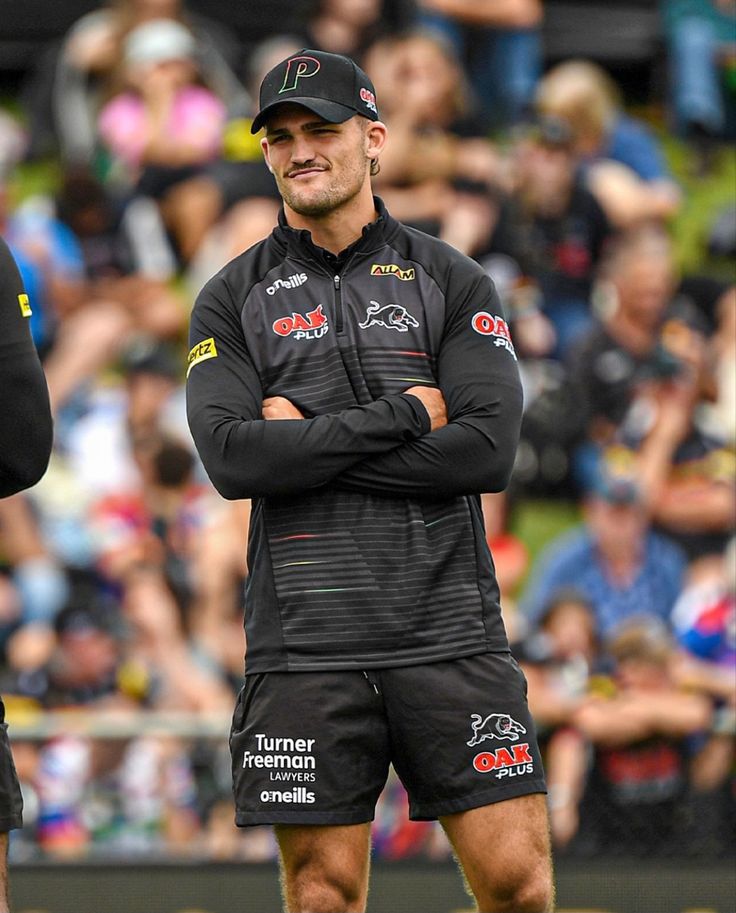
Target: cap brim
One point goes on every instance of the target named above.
(330, 111)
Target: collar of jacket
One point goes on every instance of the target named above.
(298, 241)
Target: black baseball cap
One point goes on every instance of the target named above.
(331, 85)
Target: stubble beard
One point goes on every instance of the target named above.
(326, 201)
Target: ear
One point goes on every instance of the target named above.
(376, 135)
(264, 149)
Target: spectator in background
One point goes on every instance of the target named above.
(350, 26)
(165, 126)
(620, 158)
(559, 660)
(628, 347)
(438, 172)
(633, 799)
(553, 227)
(84, 71)
(233, 202)
(615, 561)
(701, 46)
(688, 479)
(499, 40)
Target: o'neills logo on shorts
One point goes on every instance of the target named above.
(492, 325)
(311, 325)
(298, 795)
(505, 762)
(391, 269)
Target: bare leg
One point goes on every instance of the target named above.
(324, 869)
(4, 900)
(504, 852)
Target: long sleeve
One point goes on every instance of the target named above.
(479, 379)
(246, 456)
(25, 445)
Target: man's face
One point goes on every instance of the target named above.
(644, 286)
(318, 166)
(618, 529)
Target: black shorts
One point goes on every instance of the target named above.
(11, 803)
(315, 747)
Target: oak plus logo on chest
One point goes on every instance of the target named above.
(311, 325)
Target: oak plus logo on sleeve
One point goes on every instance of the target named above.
(494, 326)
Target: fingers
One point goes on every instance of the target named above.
(275, 408)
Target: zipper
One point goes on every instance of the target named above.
(338, 304)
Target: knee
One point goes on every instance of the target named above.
(531, 894)
(316, 888)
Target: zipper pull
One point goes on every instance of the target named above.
(336, 280)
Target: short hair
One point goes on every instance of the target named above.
(581, 93)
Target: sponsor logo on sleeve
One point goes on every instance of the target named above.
(391, 269)
(492, 325)
(25, 306)
(390, 316)
(201, 352)
(290, 282)
(311, 325)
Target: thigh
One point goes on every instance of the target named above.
(324, 867)
(308, 748)
(461, 733)
(504, 850)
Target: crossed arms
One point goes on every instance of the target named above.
(441, 442)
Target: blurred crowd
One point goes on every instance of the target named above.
(122, 571)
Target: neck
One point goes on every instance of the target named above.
(337, 229)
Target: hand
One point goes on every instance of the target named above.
(434, 402)
(279, 407)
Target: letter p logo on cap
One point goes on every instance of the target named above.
(296, 68)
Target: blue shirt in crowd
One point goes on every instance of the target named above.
(573, 562)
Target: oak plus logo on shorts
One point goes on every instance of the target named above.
(311, 325)
(505, 762)
(290, 282)
(390, 316)
(492, 325)
(501, 762)
(391, 269)
(287, 761)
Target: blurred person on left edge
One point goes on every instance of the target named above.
(24, 455)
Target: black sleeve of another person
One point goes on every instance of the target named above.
(25, 414)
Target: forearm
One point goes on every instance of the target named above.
(520, 14)
(470, 455)
(259, 458)
(710, 507)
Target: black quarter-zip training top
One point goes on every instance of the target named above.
(366, 546)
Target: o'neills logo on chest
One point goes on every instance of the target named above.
(391, 269)
(311, 325)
